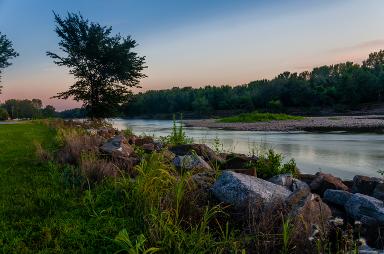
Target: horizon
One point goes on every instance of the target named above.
(194, 43)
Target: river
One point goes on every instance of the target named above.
(340, 153)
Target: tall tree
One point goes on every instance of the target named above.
(104, 65)
(6, 53)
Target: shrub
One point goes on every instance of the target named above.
(178, 135)
(270, 164)
(3, 114)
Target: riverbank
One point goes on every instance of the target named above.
(366, 123)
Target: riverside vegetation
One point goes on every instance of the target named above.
(85, 187)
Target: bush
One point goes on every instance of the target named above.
(3, 114)
(270, 164)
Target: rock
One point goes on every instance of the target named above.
(378, 192)
(158, 145)
(167, 155)
(307, 211)
(139, 141)
(365, 184)
(323, 181)
(204, 180)
(285, 180)
(307, 178)
(243, 191)
(237, 161)
(149, 147)
(288, 181)
(361, 206)
(246, 171)
(106, 132)
(126, 163)
(200, 149)
(117, 147)
(338, 197)
(191, 162)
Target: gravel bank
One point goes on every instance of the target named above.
(332, 123)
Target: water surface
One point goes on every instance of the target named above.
(342, 154)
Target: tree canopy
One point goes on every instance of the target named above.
(104, 65)
(6, 53)
(338, 86)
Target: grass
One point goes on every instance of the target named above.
(38, 213)
(258, 117)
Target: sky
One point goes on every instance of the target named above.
(194, 42)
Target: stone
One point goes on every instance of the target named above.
(361, 206)
(246, 171)
(285, 180)
(117, 147)
(139, 141)
(307, 211)
(236, 161)
(307, 178)
(204, 180)
(378, 192)
(244, 191)
(200, 149)
(323, 181)
(191, 162)
(365, 184)
(337, 197)
(149, 147)
(289, 182)
(106, 132)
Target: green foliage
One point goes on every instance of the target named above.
(104, 66)
(31, 109)
(271, 164)
(178, 135)
(345, 84)
(6, 53)
(258, 117)
(3, 114)
(137, 247)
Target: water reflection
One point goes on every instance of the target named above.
(342, 154)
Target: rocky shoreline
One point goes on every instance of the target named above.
(318, 206)
(366, 123)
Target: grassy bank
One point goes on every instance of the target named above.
(39, 210)
(258, 117)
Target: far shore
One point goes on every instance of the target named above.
(366, 123)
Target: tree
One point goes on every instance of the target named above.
(3, 114)
(6, 53)
(49, 111)
(104, 65)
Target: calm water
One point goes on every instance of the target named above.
(342, 154)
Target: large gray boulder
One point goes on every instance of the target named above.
(191, 162)
(365, 208)
(244, 191)
(337, 197)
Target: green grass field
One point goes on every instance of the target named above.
(258, 117)
(38, 214)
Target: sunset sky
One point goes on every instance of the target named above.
(194, 42)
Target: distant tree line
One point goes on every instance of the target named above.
(343, 85)
(26, 109)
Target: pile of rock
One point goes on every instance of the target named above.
(310, 201)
